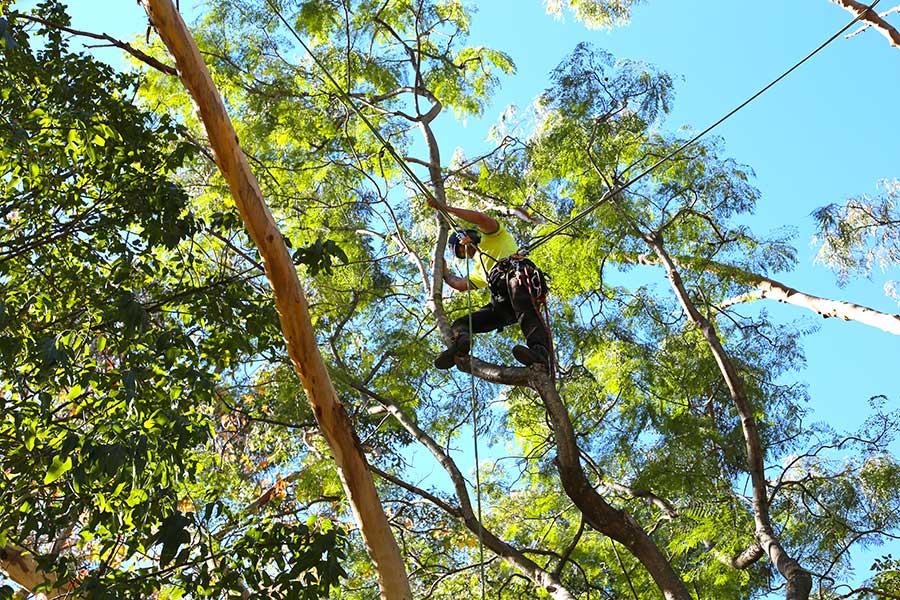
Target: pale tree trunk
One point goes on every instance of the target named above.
(775, 290)
(872, 18)
(19, 566)
(290, 302)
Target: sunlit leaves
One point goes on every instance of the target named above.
(861, 235)
(595, 14)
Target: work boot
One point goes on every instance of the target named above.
(532, 355)
(458, 347)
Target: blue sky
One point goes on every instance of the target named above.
(826, 133)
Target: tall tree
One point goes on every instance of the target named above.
(671, 457)
(290, 301)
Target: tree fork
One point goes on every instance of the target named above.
(290, 301)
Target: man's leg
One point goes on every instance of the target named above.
(486, 318)
(533, 327)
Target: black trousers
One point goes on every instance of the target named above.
(510, 302)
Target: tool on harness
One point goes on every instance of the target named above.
(461, 237)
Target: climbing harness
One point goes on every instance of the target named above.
(517, 266)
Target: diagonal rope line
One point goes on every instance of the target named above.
(617, 189)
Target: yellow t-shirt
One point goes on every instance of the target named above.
(497, 245)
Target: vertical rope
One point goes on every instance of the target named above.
(475, 438)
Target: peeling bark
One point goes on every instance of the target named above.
(290, 301)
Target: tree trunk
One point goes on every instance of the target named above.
(21, 568)
(290, 302)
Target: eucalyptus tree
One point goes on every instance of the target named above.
(122, 313)
(647, 467)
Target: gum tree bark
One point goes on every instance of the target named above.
(290, 301)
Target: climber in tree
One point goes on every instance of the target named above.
(517, 287)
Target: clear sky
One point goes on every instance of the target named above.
(826, 133)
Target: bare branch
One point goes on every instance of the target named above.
(138, 54)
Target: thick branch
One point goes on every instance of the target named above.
(290, 301)
(798, 580)
(867, 25)
(872, 18)
(775, 290)
(599, 514)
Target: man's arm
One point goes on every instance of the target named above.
(484, 223)
(460, 284)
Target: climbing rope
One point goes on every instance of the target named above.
(540, 240)
(474, 405)
(618, 189)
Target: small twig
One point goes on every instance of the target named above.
(138, 54)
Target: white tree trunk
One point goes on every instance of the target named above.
(290, 301)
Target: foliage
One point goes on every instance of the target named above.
(152, 421)
(115, 335)
(861, 234)
(595, 14)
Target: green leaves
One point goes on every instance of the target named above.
(319, 257)
(595, 14)
(172, 535)
(59, 467)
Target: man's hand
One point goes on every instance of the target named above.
(435, 203)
